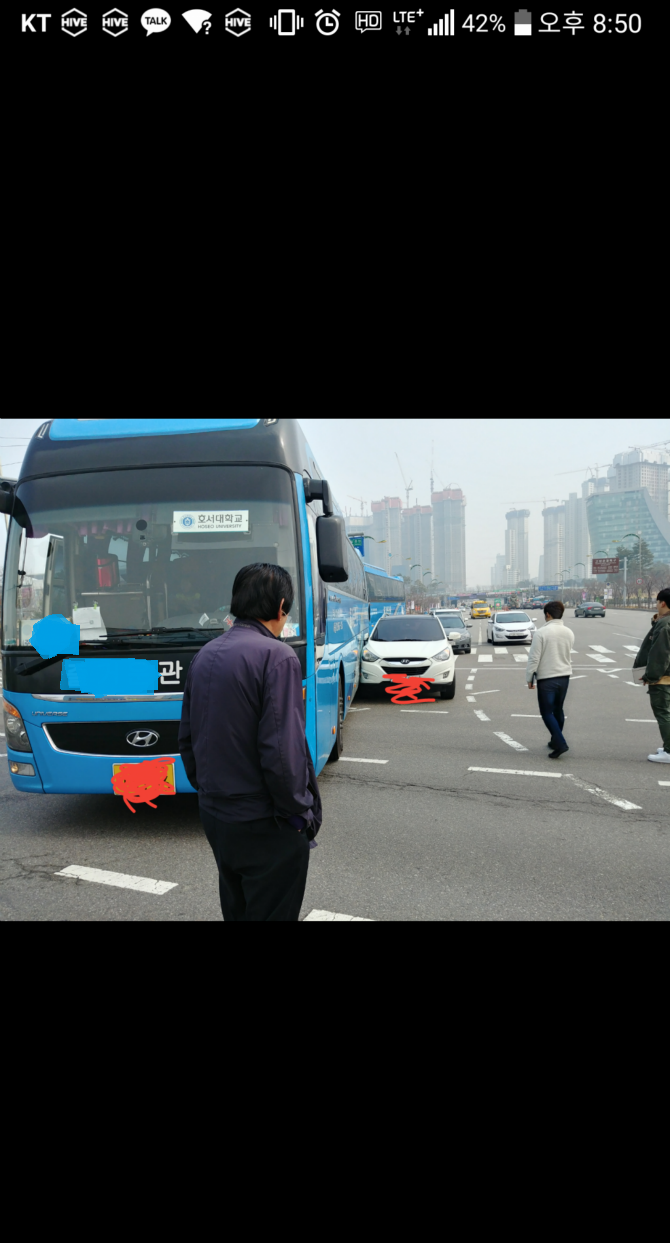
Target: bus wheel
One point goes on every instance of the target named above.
(338, 746)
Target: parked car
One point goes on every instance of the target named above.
(590, 610)
(415, 645)
(455, 628)
(510, 627)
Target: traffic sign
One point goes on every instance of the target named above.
(638, 582)
(605, 565)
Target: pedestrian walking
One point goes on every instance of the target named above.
(550, 663)
(655, 655)
(242, 740)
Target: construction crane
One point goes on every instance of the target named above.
(541, 501)
(596, 467)
(357, 498)
(660, 444)
(409, 487)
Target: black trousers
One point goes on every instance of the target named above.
(262, 868)
(551, 694)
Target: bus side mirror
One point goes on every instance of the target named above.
(319, 490)
(6, 496)
(331, 543)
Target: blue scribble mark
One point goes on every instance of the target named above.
(55, 635)
(110, 677)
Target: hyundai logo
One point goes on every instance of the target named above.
(142, 738)
(405, 660)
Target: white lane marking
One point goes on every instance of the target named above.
(600, 660)
(628, 647)
(514, 772)
(332, 917)
(510, 741)
(3, 755)
(359, 709)
(352, 759)
(473, 671)
(520, 657)
(482, 715)
(482, 660)
(632, 684)
(433, 712)
(664, 783)
(470, 699)
(535, 715)
(597, 647)
(613, 675)
(641, 720)
(579, 675)
(500, 651)
(609, 798)
(2, 735)
(119, 879)
(496, 692)
(573, 651)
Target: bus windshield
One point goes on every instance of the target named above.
(142, 552)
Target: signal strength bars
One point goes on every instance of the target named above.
(445, 26)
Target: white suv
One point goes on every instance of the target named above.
(414, 646)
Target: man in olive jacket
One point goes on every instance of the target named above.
(242, 740)
(655, 654)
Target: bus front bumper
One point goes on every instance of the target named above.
(78, 774)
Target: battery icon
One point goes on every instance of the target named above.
(523, 22)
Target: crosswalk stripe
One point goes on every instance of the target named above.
(332, 917)
(119, 880)
(510, 741)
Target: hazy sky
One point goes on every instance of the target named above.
(496, 462)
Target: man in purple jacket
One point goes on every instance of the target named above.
(242, 740)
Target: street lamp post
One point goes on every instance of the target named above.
(563, 574)
(583, 567)
(636, 536)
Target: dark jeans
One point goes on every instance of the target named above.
(262, 868)
(551, 694)
(659, 698)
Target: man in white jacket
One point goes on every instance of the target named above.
(549, 659)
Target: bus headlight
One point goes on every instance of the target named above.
(368, 655)
(15, 730)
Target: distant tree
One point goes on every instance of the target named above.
(639, 558)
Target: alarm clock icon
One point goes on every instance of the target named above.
(327, 23)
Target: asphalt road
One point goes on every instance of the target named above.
(430, 833)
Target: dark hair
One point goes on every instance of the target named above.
(664, 596)
(258, 591)
(555, 609)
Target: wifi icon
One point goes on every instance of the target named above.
(198, 19)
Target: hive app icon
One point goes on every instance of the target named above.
(155, 20)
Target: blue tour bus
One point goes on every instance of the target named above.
(386, 593)
(134, 529)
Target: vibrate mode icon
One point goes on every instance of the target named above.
(115, 23)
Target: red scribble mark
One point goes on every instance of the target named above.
(408, 689)
(139, 783)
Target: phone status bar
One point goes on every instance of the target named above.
(327, 25)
